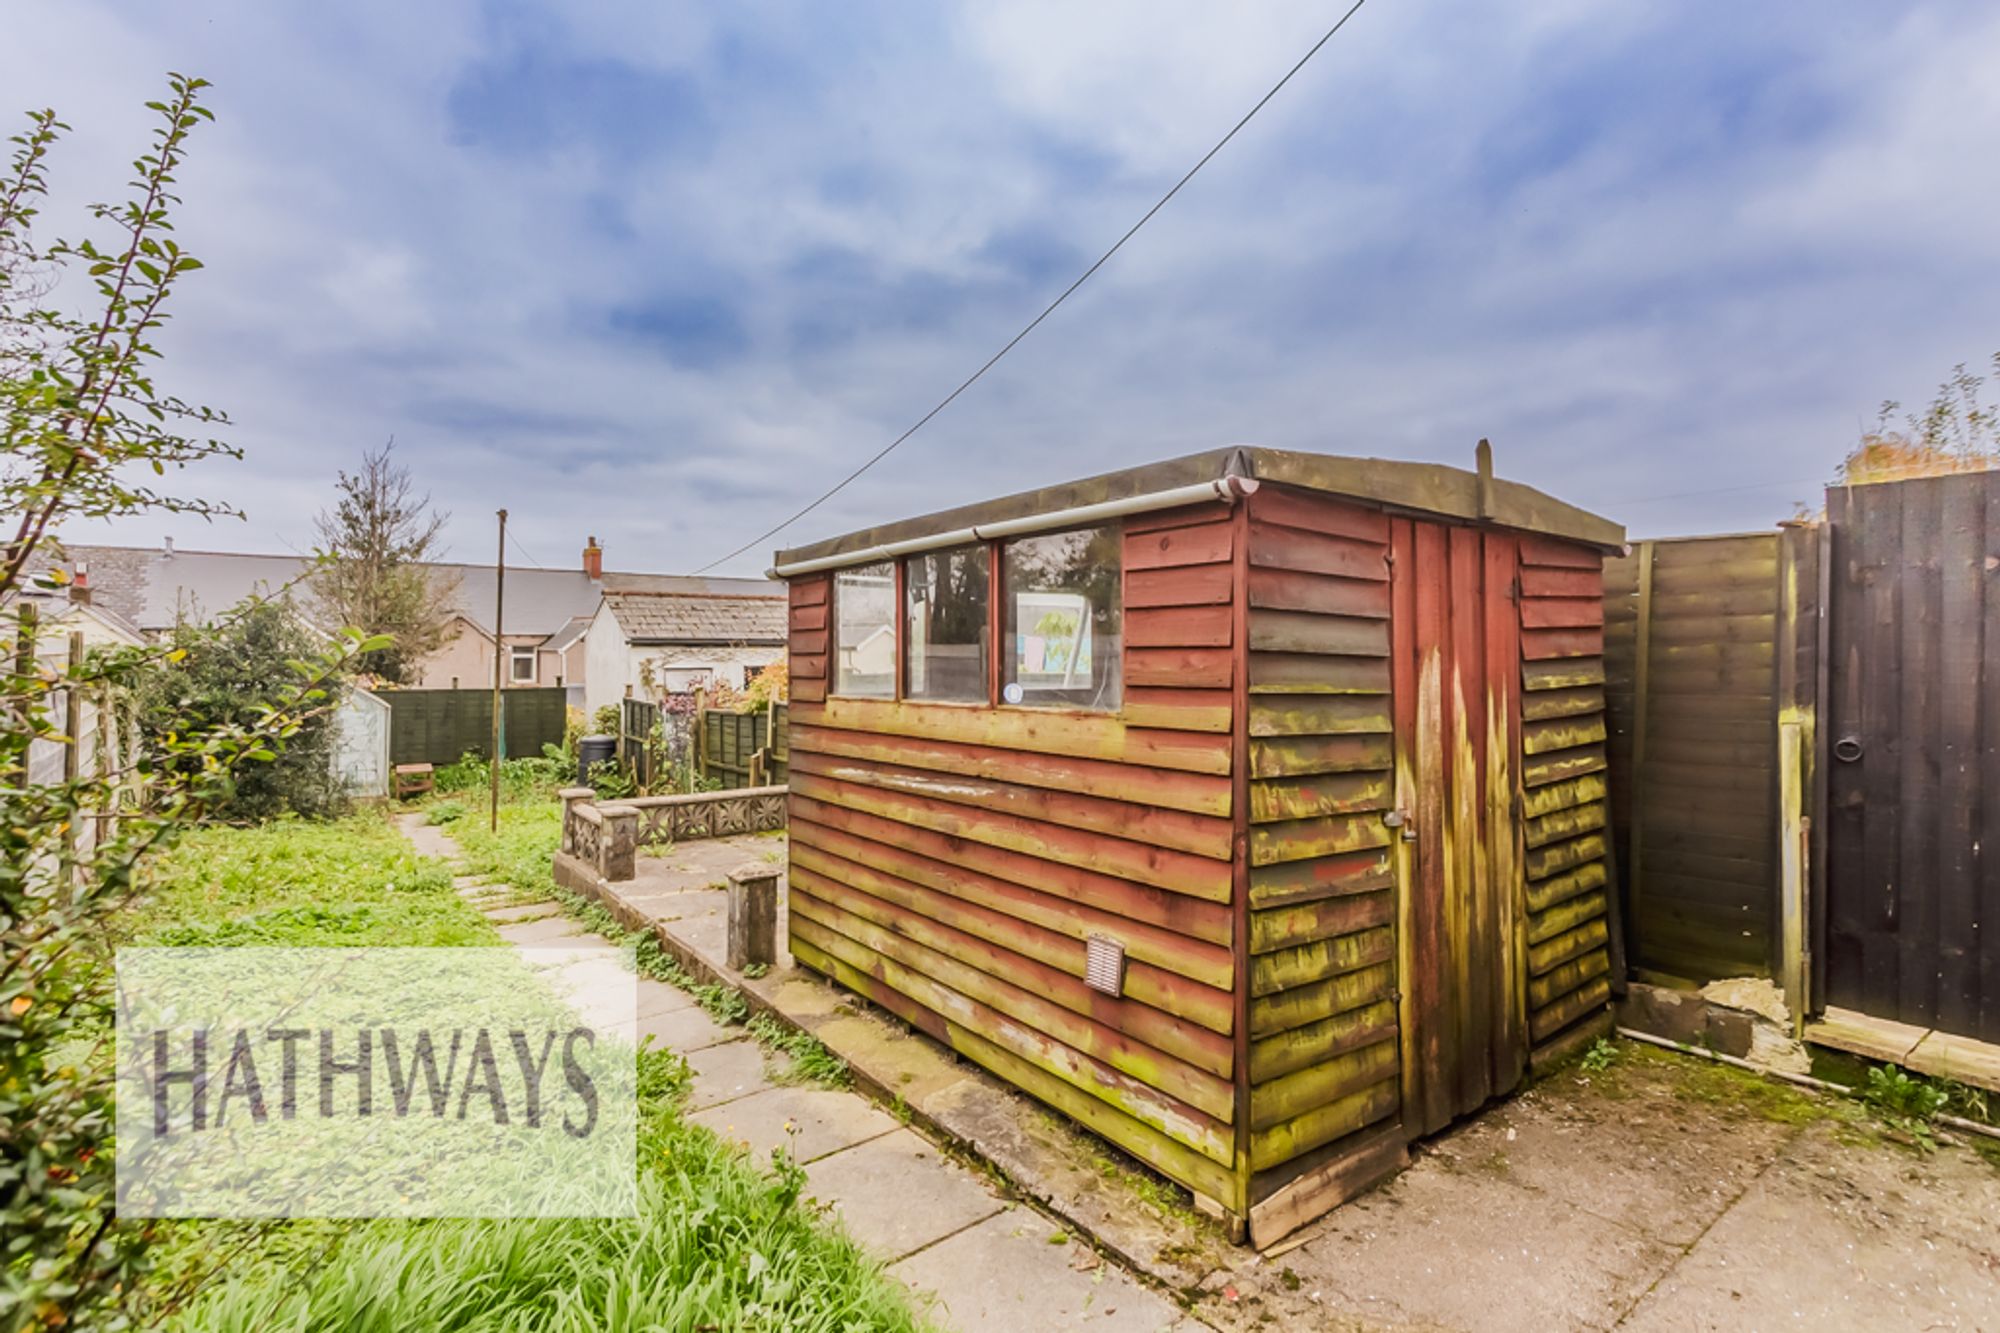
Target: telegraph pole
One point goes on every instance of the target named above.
(499, 649)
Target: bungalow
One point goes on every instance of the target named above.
(648, 642)
(549, 612)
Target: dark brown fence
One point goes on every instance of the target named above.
(1911, 923)
(441, 726)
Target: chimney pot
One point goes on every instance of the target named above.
(593, 560)
(79, 587)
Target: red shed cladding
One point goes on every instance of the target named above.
(1305, 752)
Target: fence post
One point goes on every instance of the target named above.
(618, 848)
(571, 797)
(698, 771)
(753, 916)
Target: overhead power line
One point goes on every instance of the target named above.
(1047, 310)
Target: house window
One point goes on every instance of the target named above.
(1064, 619)
(864, 631)
(522, 665)
(945, 624)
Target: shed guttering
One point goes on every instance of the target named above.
(1225, 488)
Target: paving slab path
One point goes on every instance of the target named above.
(988, 1261)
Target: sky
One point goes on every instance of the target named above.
(662, 273)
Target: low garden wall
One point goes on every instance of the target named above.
(603, 838)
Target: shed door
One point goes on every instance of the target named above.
(1455, 642)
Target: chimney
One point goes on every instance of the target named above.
(167, 547)
(79, 587)
(593, 560)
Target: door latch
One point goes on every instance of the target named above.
(1398, 819)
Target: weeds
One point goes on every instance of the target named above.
(1602, 1054)
(810, 1060)
(1906, 1105)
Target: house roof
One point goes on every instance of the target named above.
(154, 589)
(656, 616)
(1431, 488)
(57, 612)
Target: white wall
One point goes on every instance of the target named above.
(607, 663)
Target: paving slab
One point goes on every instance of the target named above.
(998, 1276)
(596, 982)
(724, 1073)
(1473, 1251)
(657, 997)
(898, 1194)
(549, 930)
(825, 1121)
(686, 1029)
(1815, 1244)
(514, 914)
(1642, 1161)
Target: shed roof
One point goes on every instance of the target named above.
(1432, 488)
(683, 617)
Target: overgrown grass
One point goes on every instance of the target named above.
(291, 882)
(520, 779)
(718, 1243)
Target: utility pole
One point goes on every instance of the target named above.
(499, 649)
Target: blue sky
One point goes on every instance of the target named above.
(661, 273)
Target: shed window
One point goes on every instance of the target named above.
(945, 624)
(864, 631)
(1064, 619)
(521, 664)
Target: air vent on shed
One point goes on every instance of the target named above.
(1104, 964)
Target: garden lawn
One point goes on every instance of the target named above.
(719, 1244)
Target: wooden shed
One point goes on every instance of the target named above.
(1248, 808)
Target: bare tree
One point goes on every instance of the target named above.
(378, 541)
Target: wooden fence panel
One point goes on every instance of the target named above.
(1911, 911)
(442, 726)
(730, 740)
(1691, 659)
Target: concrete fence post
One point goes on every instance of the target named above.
(753, 916)
(571, 798)
(618, 850)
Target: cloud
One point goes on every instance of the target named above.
(663, 273)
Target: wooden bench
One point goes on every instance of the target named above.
(411, 780)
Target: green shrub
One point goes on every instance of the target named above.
(226, 677)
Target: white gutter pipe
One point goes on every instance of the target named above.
(1228, 489)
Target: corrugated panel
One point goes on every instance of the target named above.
(1565, 864)
(951, 863)
(1323, 1058)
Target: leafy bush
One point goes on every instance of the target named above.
(229, 676)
